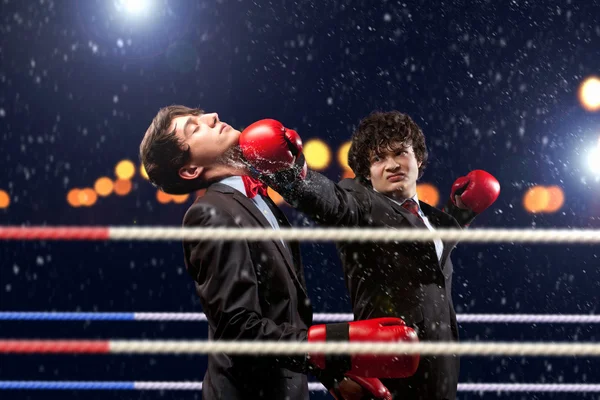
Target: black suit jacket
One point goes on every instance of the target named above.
(248, 291)
(391, 279)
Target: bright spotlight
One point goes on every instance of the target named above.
(594, 160)
(132, 6)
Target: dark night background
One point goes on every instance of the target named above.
(493, 84)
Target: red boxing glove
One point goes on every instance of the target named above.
(374, 387)
(367, 365)
(478, 190)
(270, 147)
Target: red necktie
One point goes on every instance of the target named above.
(412, 206)
(254, 186)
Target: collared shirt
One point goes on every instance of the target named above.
(236, 183)
(439, 245)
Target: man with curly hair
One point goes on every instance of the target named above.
(409, 280)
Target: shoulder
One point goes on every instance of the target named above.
(354, 185)
(212, 209)
(440, 215)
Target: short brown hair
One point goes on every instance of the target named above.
(163, 154)
(381, 130)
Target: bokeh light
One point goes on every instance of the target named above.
(4, 199)
(125, 170)
(428, 194)
(73, 198)
(87, 197)
(134, 7)
(556, 199)
(594, 160)
(162, 197)
(343, 155)
(143, 172)
(536, 199)
(589, 94)
(122, 187)
(180, 198)
(317, 154)
(103, 186)
(276, 197)
(348, 174)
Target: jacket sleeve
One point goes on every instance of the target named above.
(327, 202)
(462, 216)
(226, 282)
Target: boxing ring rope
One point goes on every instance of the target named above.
(312, 386)
(321, 317)
(99, 233)
(74, 346)
(298, 234)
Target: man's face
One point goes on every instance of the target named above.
(394, 170)
(209, 139)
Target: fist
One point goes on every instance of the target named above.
(370, 330)
(476, 191)
(270, 147)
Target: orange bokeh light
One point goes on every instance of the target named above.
(556, 199)
(87, 197)
(4, 199)
(103, 186)
(180, 198)
(276, 197)
(343, 155)
(162, 197)
(122, 187)
(536, 199)
(73, 198)
(348, 174)
(428, 194)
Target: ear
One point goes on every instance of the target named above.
(419, 164)
(190, 172)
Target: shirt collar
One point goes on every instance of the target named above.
(400, 202)
(235, 182)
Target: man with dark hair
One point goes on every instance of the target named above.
(409, 280)
(254, 290)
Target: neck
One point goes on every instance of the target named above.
(233, 163)
(402, 195)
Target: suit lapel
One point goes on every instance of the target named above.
(410, 217)
(262, 220)
(437, 220)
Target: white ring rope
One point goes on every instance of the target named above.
(321, 317)
(357, 234)
(312, 386)
(422, 348)
(463, 318)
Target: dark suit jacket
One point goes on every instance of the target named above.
(248, 291)
(391, 279)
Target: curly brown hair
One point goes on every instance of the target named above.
(163, 154)
(382, 130)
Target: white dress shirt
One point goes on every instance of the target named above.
(237, 183)
(439, 245)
